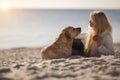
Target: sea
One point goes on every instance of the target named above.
(39, 27)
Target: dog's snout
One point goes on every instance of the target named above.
(79, 28)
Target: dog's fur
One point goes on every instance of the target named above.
(62, 47)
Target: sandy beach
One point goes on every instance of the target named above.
(25, 64)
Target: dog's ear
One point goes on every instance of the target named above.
(67, 35)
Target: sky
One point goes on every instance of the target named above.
(61, 4)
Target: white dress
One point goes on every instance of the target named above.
(107, 45)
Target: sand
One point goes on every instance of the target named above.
(25, 64)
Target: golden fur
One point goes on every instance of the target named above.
(62, 47)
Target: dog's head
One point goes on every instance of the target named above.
(71, 32)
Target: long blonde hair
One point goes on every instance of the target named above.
(101, 23)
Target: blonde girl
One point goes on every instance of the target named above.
(99, 37)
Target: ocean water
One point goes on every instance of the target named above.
(35, 28)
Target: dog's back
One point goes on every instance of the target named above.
(55, 51)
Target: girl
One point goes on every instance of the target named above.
(99, 37)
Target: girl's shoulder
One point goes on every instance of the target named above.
(106, 33)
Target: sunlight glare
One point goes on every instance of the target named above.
(5, 6)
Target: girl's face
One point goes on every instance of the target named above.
(91, 23)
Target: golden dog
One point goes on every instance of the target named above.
(62, 47)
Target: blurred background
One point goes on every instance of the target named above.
(36, 23)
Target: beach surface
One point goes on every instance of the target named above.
(25, 64)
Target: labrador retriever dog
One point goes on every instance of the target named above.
(62, 46)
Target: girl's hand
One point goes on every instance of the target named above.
(97, 39)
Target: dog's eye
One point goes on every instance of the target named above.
(73, 28)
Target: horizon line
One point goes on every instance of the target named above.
(64, 9)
